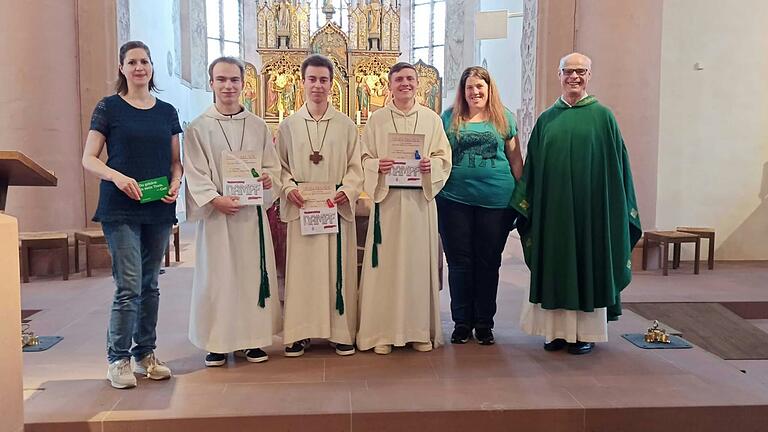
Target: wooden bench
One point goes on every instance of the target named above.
(43, 240)
(664, 238)
(88, 237)
(177, 254)
(706, 233)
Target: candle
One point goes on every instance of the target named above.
(280, 117)
(357, 116)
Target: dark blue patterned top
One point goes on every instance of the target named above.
(138, 146)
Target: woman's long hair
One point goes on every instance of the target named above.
(494, 107)
(121, 86)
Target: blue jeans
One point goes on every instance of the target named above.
(137, 254)
(473, 240)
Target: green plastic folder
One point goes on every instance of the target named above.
(153, 189)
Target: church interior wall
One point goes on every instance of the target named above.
(713, 143)
(623, 39)
(39, 110)
(645, 56)
(502, 56)
(152, 22)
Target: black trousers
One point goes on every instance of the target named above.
(473, 240)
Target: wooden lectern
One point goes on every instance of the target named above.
(16, 169)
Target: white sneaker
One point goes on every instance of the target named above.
(152, 368)
(422, 346)
(120, 375)
(382, 349)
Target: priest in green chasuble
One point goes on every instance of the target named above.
(579, 219)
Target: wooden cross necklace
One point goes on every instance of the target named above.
(316, 157)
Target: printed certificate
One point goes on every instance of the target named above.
(405, 149)
(241, 178)
(319, 214)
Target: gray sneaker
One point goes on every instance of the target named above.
(120, 375)
(152, 368)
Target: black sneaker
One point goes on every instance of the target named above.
(461, 334)
(256, 355)
(344, 349)
(297, 349)
(484, 336)
(215, 359)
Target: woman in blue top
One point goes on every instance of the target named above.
(473, 217)
(141, 133)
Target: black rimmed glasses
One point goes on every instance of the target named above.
(568, 71)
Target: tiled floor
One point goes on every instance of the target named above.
(514, 385)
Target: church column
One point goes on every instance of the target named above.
(527, 114)
(99, 25)
(251, 34)
(623, 38)
(460, 45)
(40, 109)
(626, 76)
(406, 26)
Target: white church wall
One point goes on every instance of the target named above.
(502, 56)
(152, 22)
(713, 143)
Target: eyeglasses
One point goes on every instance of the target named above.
(579, 72)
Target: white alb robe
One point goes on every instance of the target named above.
(310, 275)
(399, 299)
(225, 315)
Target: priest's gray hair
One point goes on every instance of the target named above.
(574, 54)
(229, 60)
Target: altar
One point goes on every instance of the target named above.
(361, 54)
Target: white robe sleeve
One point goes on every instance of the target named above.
(270, 164)
(351, 183)
(440, 156)
(375, 184)
(200, 188)
(288, 211)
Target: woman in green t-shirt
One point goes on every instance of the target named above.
(473, 214)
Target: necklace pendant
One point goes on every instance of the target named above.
(315, 157)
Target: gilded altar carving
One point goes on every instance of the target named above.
(430, 90)
(362, 56)
(249, 98)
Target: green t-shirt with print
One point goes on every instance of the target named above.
(481, 175)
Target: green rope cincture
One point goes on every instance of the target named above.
(339, 296)
(376, 236)
(264, 286)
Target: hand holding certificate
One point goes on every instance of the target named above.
(241, 178)
(319, 215)
(405, 151)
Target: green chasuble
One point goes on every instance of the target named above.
(579, 218)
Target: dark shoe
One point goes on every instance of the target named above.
(461, 334)
(344, 349)
(215, 359)
(555, 345)
(297, 349)
(256, 355)
(580, 347)
(484, 336)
